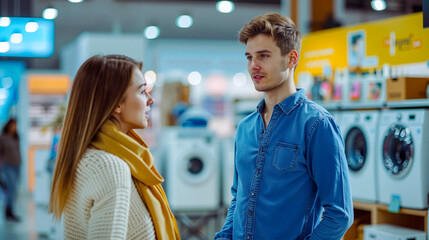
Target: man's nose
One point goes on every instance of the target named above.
(254, 64)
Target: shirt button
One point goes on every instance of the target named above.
(253, 194)
(262, 131)
(250, 213)
(248, 236)
(261, 149)
(258, 171)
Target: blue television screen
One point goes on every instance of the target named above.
(26, 37)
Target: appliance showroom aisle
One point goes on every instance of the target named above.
(23, 230)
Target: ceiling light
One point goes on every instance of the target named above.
(378, 5)
(4, 21)
(75, 1)
(150, 77)
(31, 27)
(225, 6)
(7, 82)
(151, 32)
(184, 21)
(194, 78)
(50, 13)
(16, 38)
(4, 46)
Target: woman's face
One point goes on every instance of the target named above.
(132, 112)
(12, 127)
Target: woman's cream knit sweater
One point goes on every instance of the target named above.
(104, 202)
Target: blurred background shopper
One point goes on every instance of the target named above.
(11, 161)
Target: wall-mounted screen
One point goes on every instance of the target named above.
(425, 13)
(26, 37)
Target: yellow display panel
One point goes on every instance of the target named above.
(394, 41)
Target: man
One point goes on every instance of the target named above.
(289, 155)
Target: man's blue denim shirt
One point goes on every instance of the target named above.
(287, 173)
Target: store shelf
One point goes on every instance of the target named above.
(373, 213)
(330, 106)
(361, 105)
(411, 103)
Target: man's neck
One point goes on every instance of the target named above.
(278, 95)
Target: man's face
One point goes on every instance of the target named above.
(266, 65)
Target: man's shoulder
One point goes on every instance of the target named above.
(314, 111)
(248, 120)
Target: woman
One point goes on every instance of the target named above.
(11, 162)
(105, 183)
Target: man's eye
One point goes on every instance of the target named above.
(249, 58)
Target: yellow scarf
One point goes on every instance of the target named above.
(134, 151)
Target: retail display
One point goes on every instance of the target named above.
(359, 129)
(227, 155)
(403, 165)
(391, 232)
(191, 168)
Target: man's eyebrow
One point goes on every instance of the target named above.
(260, 51)
(264, 51)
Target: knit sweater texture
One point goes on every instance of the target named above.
(104, 202)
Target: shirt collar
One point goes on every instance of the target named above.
(287, 105)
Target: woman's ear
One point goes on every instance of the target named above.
(118, 109)
(293, 59)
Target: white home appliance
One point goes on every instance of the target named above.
(359, 130)
(403, 157)
(391, 232)
(227, 160)
(337, 116)
(191, 165)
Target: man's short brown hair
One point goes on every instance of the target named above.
(282, 29)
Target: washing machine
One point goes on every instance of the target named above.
(227, 161)
(337, 116)
(403, 157)
(191, 165)
(359, 130)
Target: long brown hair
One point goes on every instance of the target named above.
(98, 88)
(7, 129)
(282, 29)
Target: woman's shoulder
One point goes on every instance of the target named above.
(103, 166)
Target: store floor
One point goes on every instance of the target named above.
(23, 230)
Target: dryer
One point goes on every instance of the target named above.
(403, 157)
(337, 116)
(359, 129)
(227, 160)
(191, 165)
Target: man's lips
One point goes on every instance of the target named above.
(257, 77)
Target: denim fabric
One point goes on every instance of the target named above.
(287, 173)
(11, 175)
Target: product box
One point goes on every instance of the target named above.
(392, 232)
(406, 88)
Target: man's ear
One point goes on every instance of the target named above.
(293, 59)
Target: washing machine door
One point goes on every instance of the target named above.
(356, 149)
(197, 166)
(398, 150)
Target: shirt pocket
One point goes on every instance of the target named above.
(285, 156)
